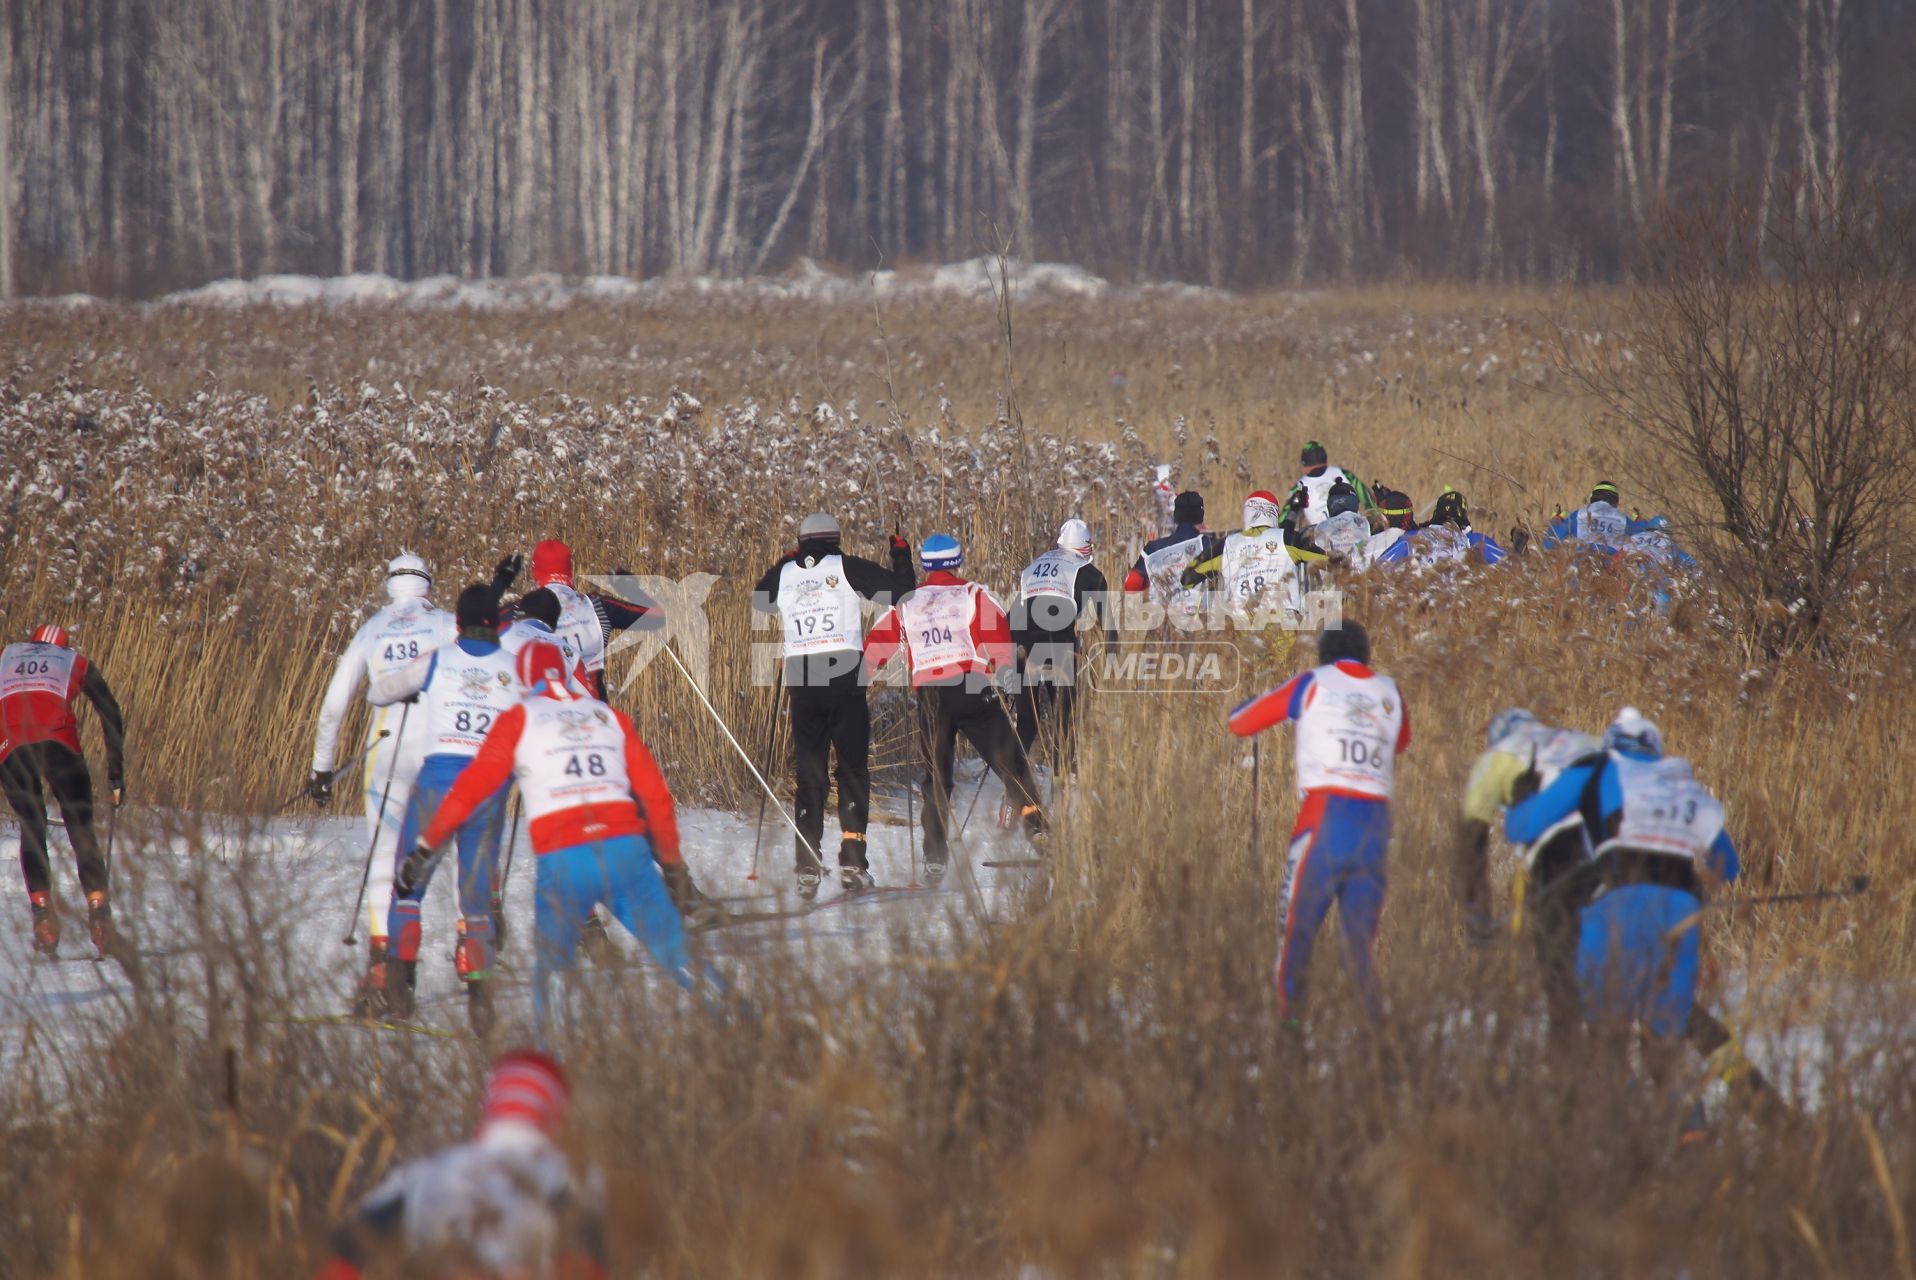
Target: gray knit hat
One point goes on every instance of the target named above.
(818, 525)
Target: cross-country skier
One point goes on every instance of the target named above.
(1345, 531)
(405, 630)
(506, 1204)
(955, 638)
(1447, 539)
(457, 691)
(1657, 839)
(1055, 592)
(1257, 566)
(587, 619)
(816, 592)
(1599, 523)
(1525, 755)
(535, 616)
(1160, 567)
(1351, 727)
(1314, 486)
(40, 746)
(597, 809)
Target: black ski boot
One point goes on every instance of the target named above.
(855, 880)
(808, 881)
(934, 873)
(402, 986)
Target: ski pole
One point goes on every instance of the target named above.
(723, 728)
(512, 846)
(1854, 887)
(771, 746)
(911, 830)
(379, 824)
(972, 807)
(340, 772)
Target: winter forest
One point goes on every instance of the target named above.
(150, 144)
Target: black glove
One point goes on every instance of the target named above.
(1190, 577)
(505, 571)
(412, 870)
(319, 787)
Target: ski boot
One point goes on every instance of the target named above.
(934, 873)
(99, 923)
(402, 988)
(853, 880)
(369, 997)
(808, 880)
(46, 927)
(1037, 831)
(595, 944)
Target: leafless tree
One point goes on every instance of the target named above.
(1770, 377)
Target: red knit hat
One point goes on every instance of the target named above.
(50, 633)
(541, 661)
(530, 1087)
(552, 562)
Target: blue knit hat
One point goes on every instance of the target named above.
(941, 551)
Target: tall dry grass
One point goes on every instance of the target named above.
(1096, 1088)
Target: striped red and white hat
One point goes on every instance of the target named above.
(529, 1087)
(50, 633)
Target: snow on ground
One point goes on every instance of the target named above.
(303, 872)
(804, 282)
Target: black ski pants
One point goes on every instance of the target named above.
(827, 720)
(63, 771)
(944, 712)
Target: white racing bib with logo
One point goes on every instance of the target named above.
(818, 607)
(570, 754)
(580, 633)
(1258, 572)
(1055, 573)
(1318, 491)
(1347, 735)
(1165, 567)
(403, 633)
(36, 668)
(937, 623)
(466, 694)
(1665, 809)
(1602, 522)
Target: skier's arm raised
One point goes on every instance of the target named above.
(1280, 704)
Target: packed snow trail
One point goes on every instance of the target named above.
(300, 873)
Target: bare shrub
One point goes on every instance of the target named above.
(1769, 385)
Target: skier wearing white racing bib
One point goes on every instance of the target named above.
(404, 630)
(956, 637)
(1258, 566)
(458, 691)
(817, 592)
(1309, 499)
(1056, 591)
